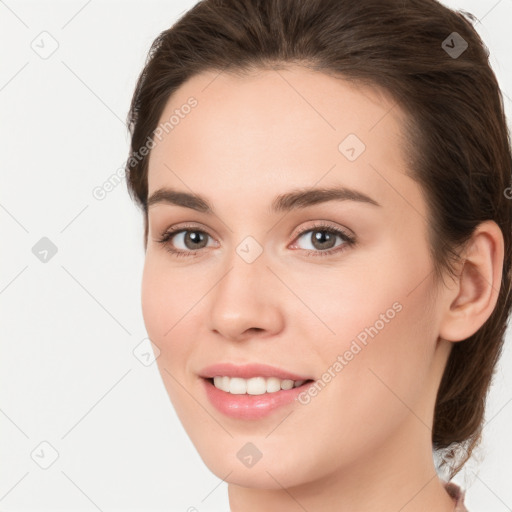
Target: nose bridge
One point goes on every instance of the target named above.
(242, 299)
(245, 277)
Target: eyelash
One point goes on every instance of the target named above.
(347, 239)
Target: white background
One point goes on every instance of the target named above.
(69, 326)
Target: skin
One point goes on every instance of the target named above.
(364, 442)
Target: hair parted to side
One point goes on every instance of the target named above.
(457, 136)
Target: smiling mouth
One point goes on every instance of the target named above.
(255, 385)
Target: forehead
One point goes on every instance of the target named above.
(276, 128)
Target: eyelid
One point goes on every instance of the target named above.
(318, 224)
(347, 236)
(183, 227)
(167, 234)
(324, 224)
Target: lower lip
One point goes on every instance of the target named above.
(250, 407)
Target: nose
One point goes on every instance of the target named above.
(246, 302)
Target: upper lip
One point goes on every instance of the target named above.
(248, 371)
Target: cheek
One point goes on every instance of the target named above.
(162, 308)
(154, 300)
(382, 325)
(164, 302)
(169, 297)
(386, 291)
(166, 295)
(391, 351)
(348, 304)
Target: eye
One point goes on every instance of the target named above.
(321, 240)
(184, 242)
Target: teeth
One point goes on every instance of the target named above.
(273, 385)
(237, 386)
(254, 386)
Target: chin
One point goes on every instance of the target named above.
(254, 462)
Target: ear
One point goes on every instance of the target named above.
(473, 298)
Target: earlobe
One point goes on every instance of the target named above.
(472, 301)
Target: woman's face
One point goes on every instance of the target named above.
(335, 289)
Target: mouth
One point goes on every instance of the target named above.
(248, 371)
(251, 391)
(255, 385)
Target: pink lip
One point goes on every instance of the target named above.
(249, 407)
(247, 371)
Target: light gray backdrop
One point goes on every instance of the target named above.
(85, 424)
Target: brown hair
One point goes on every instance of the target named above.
(457, 136)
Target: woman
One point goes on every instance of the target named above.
(328, 245)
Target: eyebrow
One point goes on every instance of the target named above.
(295, 199)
